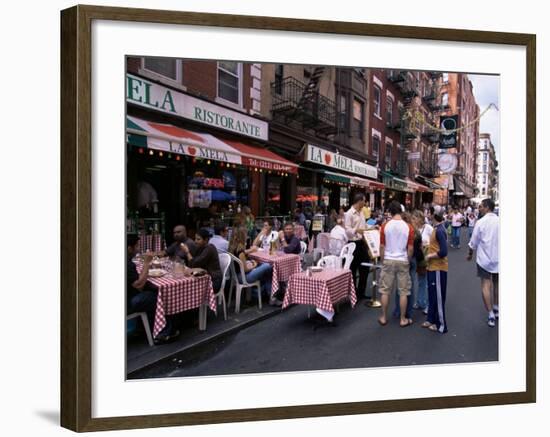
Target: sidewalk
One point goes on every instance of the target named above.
(140, 355)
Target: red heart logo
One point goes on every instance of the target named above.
(328, 158)
(192, 150)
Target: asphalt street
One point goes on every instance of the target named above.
(289, 341)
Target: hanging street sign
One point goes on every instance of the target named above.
(447, 162)
(447, 140)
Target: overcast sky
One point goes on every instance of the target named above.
(486, 91)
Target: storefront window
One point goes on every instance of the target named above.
(325, 197)
(306, 191)
(215, 192)
(344, 197)
(273, 198)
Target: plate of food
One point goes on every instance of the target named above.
(156, 273)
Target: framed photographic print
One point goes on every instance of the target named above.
(235, 162)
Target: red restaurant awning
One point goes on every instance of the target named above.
(173, 139)
(263, 158)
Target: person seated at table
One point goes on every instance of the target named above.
(254, 272)
(205, 257)
(288, 241)
(180, 236)
(338, 237)
(141, 295)
(219, 240)
(266, 235)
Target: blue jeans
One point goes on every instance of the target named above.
(456, 236)
(410, 297)
(470, 231)
(422, 294)
(263, 273)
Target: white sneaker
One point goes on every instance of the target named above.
(491, 322)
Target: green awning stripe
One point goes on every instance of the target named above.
(131, 125)
(137, 140)
(134, 139)
(337, 178)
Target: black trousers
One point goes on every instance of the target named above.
(360, 255)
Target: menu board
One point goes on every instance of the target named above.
(372, 238)
(317, 224)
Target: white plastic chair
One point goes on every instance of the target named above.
(145, 321)
(238, 264)
(225, 264)
(348, 248)
(348, 259)
(330, 261)
(303, 248)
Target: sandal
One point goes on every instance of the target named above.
(382, 323)
(409, 323)
(426, 324)
(433, 328)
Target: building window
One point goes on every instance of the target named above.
(167, 67)
(484, 168)
(358, 118)
(229, 81)
(483, 191)
(377, 103)
(375, 145)
(279, 68)
(388, 156)
(342, 113)
(444, 99)
(389, 110)
(484, 157)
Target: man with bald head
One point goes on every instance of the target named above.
(180, 236)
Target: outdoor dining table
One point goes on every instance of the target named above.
(177, 294)
(284, 265)
(322, 289)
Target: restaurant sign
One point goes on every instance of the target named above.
(142, 92)
(340, 162)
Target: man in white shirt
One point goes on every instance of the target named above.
(355, 224)
(485, 241)
(457, 219)
(219, 240)
(266, 236)
(396, 248)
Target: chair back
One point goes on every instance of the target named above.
(348, 259)
(347, 249)
(335, 246)
(323, 241)
(237, 269)
(330, 261)
(225, 264)
(303, 248)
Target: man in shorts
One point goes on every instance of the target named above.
(485, 242)
(396, 249)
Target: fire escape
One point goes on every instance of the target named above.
(299, 102)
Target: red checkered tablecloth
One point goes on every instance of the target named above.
(150, 242)
(322, 289)
(300, 232)
(284, 265)
(176, 295)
